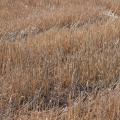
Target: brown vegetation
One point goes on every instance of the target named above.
(59, 60)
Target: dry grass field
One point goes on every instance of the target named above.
(59, 60)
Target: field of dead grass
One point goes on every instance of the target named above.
(59, 60)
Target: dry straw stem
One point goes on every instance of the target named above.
(68, 71)
(113, 5)
(42, 63)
